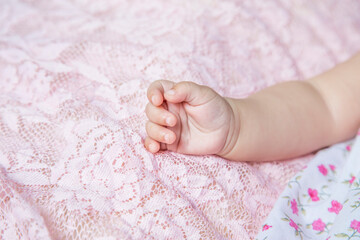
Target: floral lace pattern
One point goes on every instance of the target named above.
(73, 80)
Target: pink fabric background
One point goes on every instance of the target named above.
(73, 79)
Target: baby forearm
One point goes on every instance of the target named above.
(282, 121)
(294, 118)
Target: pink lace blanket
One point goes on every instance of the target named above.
(73, 81)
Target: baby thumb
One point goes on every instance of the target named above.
(189, 92)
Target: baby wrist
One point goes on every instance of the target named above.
(233, 131)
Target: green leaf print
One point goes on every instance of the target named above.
(341, 235)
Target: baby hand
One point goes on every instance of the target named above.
(187, 118)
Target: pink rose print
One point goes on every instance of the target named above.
(355, 225)
(352, 180)
(294, 225)
(294, 207)
(313, 194)
(266, 227)
(335, 207)
(348, 147)
(332, 167)
(318, 225)
(323, 169)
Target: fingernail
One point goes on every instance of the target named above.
(169, 121)
(167, 138)
(153, 99)
(170, 92)
(152, 147)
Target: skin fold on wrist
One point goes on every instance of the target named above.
(234, 129)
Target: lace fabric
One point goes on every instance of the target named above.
(73, 81)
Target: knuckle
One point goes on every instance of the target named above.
(146, 142)
(185, 85)
(158, 80)
(153, 85)
(188, 83)
(147, 109)
(208, 90)
(148, 94)
(148, 115)
(148, 126)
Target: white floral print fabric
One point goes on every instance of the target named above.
(322, 201)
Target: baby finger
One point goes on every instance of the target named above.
(159, 133)
(160, 116)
